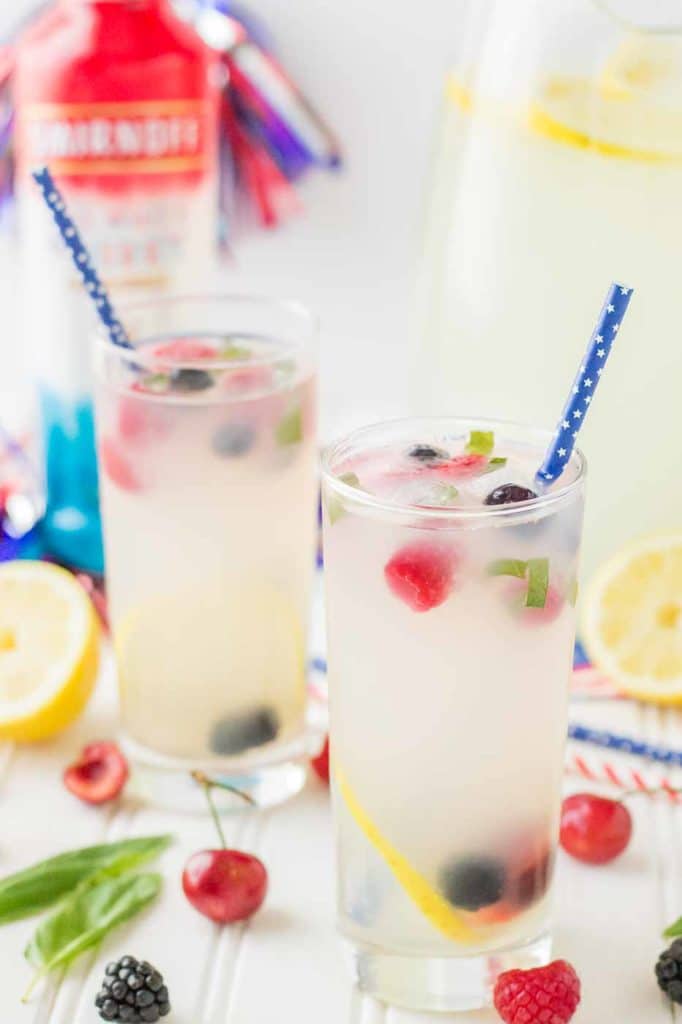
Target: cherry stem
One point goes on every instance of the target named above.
(208, 785)
(31, 988)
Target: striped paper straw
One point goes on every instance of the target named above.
(625, 744)
(585, 384)
(81, 258)
(622, 776)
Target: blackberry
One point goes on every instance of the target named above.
(427, 453)
(669, 971)
(132, 991)
(508, 493)
(188, 379)
(236, 733)
(473, 882)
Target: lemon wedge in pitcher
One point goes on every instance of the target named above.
(49, 650)
(632, 619)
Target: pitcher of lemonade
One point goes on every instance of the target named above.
(558, 169)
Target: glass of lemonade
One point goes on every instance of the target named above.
(450, 588)
(207, 454)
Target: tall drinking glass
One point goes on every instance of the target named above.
(206, 444)
(450, 592)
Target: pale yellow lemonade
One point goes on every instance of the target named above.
(207, 466)
(450, 591)
(548, 184)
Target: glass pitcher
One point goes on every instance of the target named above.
(559, 169)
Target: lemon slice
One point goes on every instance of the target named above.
(643, 65)
(632, 619)
(432, 905)
(49, 650)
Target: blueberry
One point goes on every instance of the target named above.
(144, 997)
(112, 968)
(154, 981)
(119, 990)
(508, 493)
(135, 981)
(473, 882)
(162, 995)
(125, 961)
(427, 453)
(109, 1011)
(150, 1013)
(236, 733)
(188, 379)
(164, 1008)
(233, 439)
(127, 1013)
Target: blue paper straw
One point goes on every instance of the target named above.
(81, 258)
(585, 384)
(625, 744)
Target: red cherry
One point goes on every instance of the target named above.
(99, 774)
(117, 467)
(421, 574)
(225, 885)
(594, 829)
(320, 764)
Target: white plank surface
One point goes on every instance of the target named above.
(286, 964)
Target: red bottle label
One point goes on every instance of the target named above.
(163, 137)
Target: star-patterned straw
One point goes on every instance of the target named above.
(81, 257)
(585, 384)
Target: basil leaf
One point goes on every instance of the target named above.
(41, 885)
(335, 509)
(673, 930)
(290, 428)
(538, 582)
(232, 351)
(481, 442)
(508, 567)
(84, 919)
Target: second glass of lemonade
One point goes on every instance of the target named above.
(451, 585)
(207, 451)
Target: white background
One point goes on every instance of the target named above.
(375, 71)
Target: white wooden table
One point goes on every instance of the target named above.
(285, 965)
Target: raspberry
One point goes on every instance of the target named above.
(185, 350)
(117, 467)
(460, 467)
(421, 575)
(544, 995)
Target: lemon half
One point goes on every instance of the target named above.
(49, 650)
(632, 619)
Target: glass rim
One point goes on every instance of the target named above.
(516, 510)
(307, 343)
